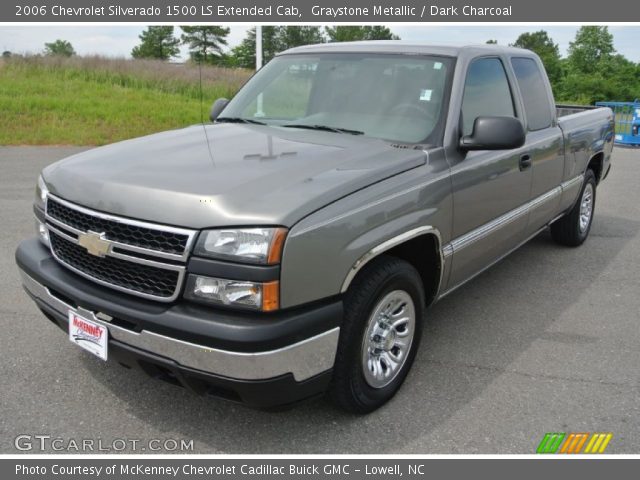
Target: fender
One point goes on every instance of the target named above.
(394, 242)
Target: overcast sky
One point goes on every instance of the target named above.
(119, 40)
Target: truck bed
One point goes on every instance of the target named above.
(586, 130)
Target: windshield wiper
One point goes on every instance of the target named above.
(325, 128)
(239, 120)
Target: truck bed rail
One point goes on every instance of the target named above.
(562, 110)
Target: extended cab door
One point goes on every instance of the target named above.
(490, 188)
(544, 141)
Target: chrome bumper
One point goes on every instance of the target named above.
(303, 360)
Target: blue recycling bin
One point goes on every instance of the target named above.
(627, 115)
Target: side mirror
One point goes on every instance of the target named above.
(217, 107)
(494, 133)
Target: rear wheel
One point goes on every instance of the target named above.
(378, 341)
(573, 229)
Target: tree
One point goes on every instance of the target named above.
(157, 42)
(540, 43)
(293, 36)
(60, 48)
(205, 42)
(624, 78)
(351, 33)
(244, 55)
(274, 40)
(6, 54)
(491, 42)
(594, 71)
(593, 44)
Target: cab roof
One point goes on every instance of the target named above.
(398, 46)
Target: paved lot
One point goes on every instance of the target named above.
(546, 341)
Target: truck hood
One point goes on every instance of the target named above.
(226, 174)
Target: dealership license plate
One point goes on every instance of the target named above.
(89, 335)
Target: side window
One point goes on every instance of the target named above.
(534, 93)
(486, 92)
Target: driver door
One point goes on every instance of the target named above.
(489, 187)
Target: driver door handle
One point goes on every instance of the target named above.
(525, 162)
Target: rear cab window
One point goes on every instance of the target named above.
(534, 94)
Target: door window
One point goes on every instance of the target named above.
(486, 92)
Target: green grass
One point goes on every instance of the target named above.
(94, 101)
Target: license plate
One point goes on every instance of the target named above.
(89, 335)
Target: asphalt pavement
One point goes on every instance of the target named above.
(548, 340)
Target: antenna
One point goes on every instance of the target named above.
(204, 127)
(201, 93)
(259, 110)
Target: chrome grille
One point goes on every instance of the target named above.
(113, 271)
(173, 242)
(143, 259)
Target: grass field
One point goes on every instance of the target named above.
(94, 100)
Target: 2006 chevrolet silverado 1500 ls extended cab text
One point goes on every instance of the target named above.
(292, 246)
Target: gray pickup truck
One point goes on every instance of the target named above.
(291, 247)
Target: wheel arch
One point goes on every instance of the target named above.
(421, 247)
(596, 163)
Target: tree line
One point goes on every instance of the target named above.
(592, 70)
(208, 44)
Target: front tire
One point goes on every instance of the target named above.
(573, 229)
(384, 310)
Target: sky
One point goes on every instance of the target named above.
(118, 41)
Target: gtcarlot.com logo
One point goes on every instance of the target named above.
(48, 443)
(574, 443)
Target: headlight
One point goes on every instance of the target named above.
(250, 245)
(41, 193)
(234, 293)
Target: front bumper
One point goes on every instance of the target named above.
(259, 359)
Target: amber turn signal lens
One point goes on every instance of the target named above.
(277, 244)
(270, 296)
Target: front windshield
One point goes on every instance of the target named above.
(400, 98)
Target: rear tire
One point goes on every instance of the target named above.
(573, 229)
(380, 335)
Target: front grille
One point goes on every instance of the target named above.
(122, 232)
(144, 259)
(144, 279)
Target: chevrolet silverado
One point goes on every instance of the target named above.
(291, 246)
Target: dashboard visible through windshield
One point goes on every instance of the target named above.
(399, 98)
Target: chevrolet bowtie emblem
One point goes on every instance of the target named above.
(95, 243)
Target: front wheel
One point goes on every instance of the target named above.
(380, 336)
(573, 229)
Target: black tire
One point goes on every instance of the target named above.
(382, 277)
(568, 230)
